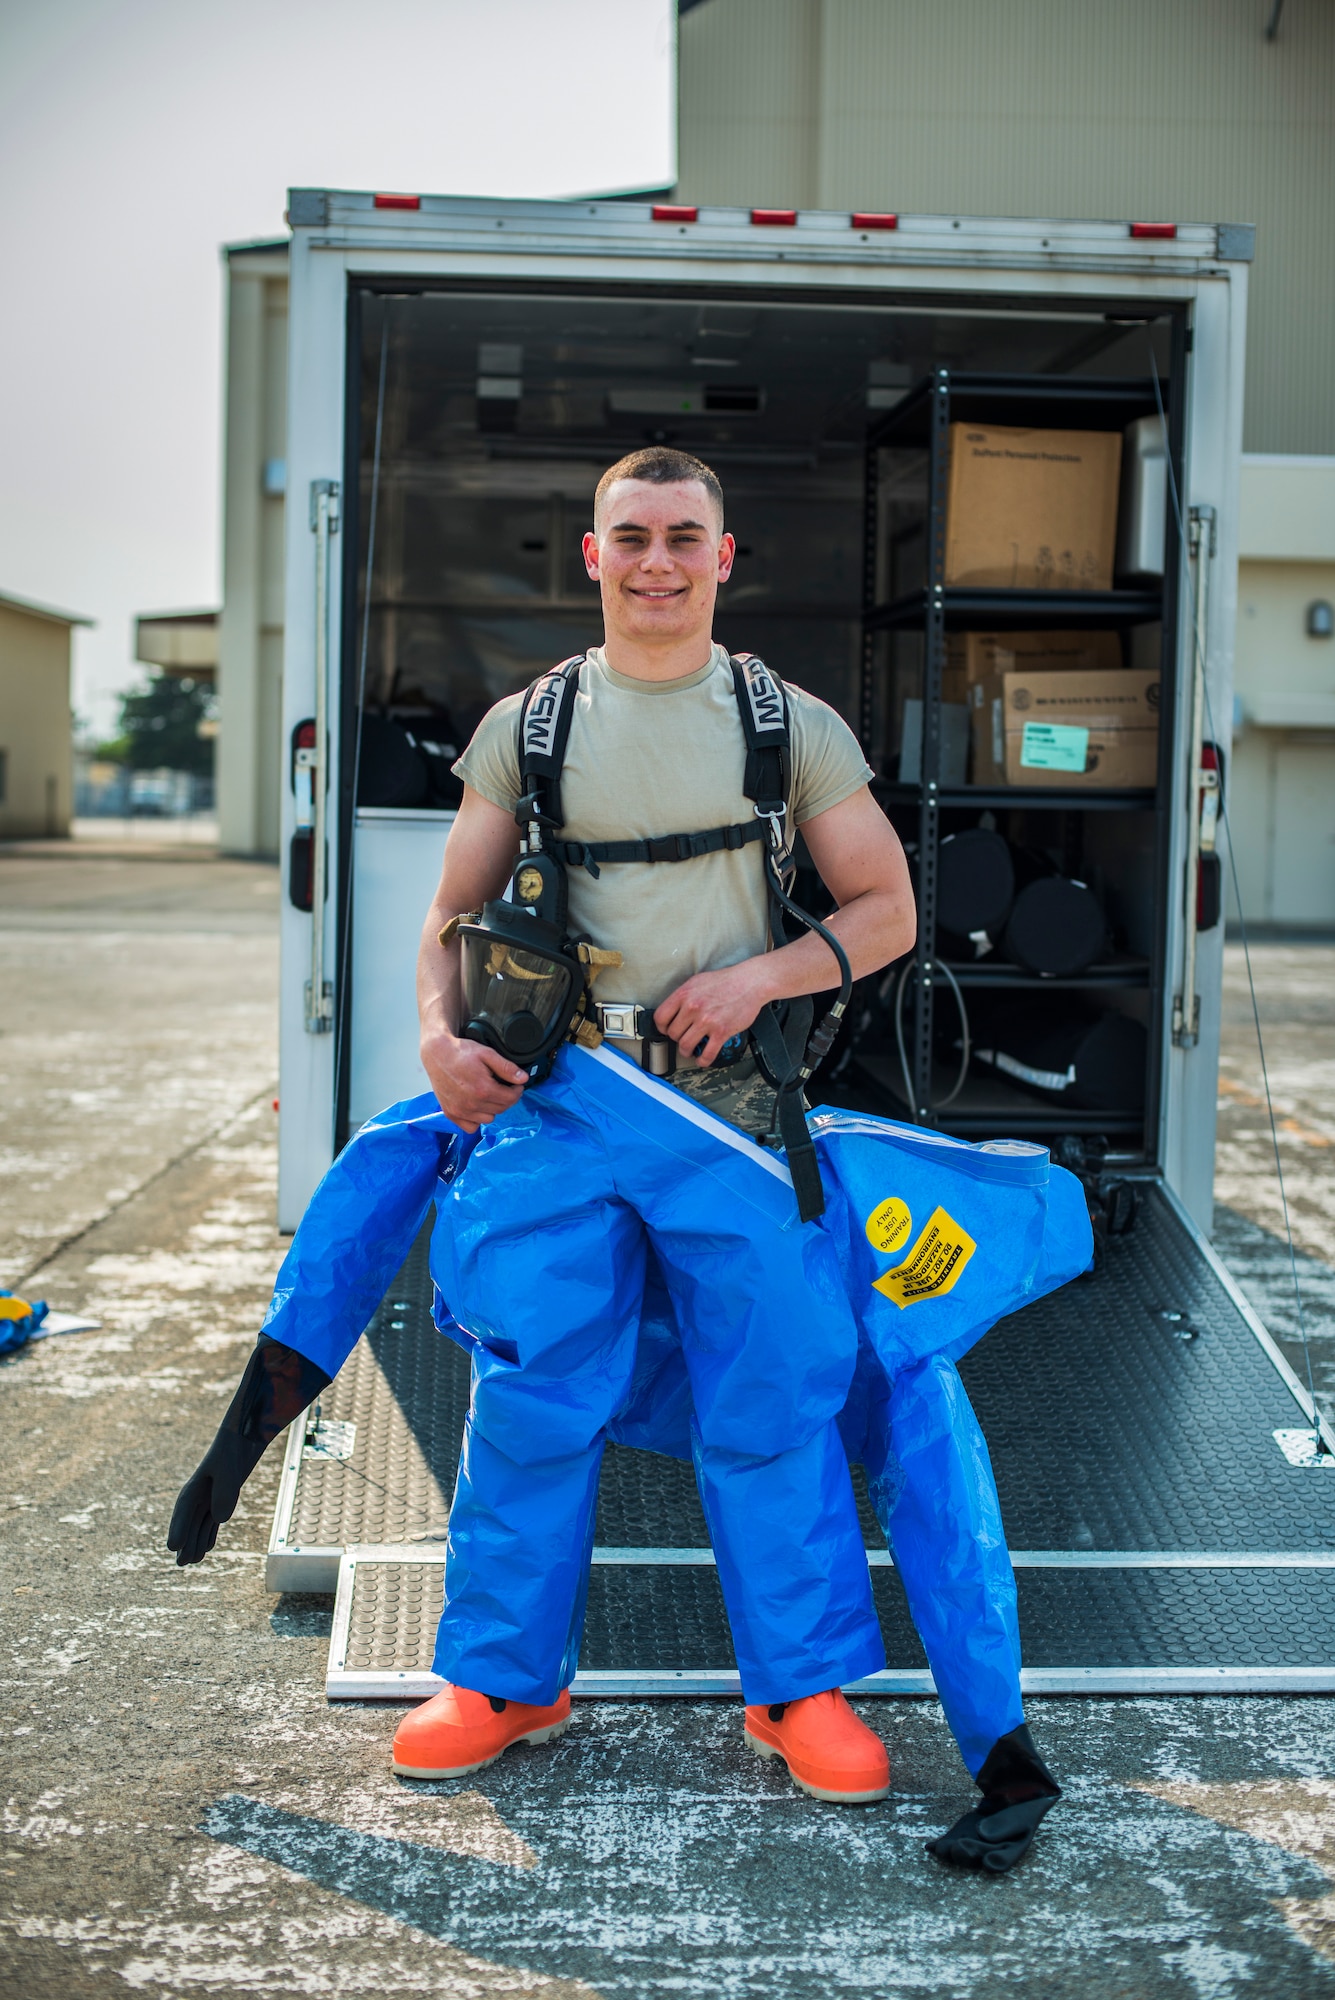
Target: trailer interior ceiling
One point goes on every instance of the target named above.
(501, 412)
(480, 422)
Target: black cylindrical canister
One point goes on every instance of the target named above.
(1056, 926)
(975, 885)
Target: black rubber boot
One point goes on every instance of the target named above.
(277, 1386)
(1017, 1788)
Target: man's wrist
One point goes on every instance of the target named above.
(767, 980)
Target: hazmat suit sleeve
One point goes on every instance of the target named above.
(277, 1385)
(359, 1227)
(937, 1240)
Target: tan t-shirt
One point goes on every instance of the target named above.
(647, 758)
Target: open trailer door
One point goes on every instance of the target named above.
(462, 372)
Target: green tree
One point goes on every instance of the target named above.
(159, 726)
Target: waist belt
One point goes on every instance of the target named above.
(627, 1022)
(667, 847)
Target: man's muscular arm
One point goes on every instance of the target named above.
(859, 859)
(473, 1084)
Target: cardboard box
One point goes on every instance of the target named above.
(973, 659)
(1030, 509)
(1059, 730)
(976, 656)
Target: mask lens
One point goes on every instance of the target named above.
(519, 994)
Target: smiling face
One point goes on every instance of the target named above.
(658, 555)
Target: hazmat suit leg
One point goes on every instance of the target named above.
(543, 1267)
(798, 1595)
(516, 1572)
(540, 1251)
(931, 1483)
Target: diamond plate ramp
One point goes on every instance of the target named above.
(651, 1628)
(660, 1628)
(1162, 1539)
(405, 1389)
(1109, 1430)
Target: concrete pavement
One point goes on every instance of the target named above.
(1295, 986)
(186, 1815)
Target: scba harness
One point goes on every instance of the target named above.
(544, 731)
(779, 1036)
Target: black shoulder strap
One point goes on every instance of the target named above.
(549, 706)
(762, 704)
(544, 729)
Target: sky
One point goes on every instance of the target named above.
(137, 137)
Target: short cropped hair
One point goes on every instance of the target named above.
(660, 465)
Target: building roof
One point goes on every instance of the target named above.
(262, 246)
(47, 611)
(180, 642)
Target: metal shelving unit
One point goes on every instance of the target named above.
(986, 1106)
(1016, 798)
(971, 610)
(1130, 972)
(922, 420)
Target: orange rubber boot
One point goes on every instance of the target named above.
(458, 1731)
(828, 1751)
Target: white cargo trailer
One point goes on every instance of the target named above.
(460, 372)
(527, 344)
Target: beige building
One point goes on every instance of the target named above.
(181, 643)
(36, 721)
(250, 637)
(1127, 109)
(1283, 787)
(1122, 108)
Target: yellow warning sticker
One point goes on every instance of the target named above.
(932, 1265)
(888, 1226)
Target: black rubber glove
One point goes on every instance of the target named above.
(1017, 1788)
(277, 1386)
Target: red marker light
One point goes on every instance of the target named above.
(868, 219)
(774, 218)
(303, 736)
(663, 211)
(398, 201)
(275, 1104)
(1154, 229)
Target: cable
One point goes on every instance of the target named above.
(822, 1038)
(933, 965)
(967, 1049)
(1322, 1445)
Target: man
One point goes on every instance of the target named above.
(583, 1175)
(620, 1254)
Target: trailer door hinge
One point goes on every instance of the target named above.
(1201, 518)
(319, 1015)
(322, 488)
(1185, 1037)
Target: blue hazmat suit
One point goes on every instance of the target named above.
(623, 1264)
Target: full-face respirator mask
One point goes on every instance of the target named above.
(525, 982)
